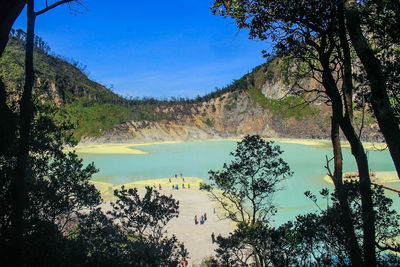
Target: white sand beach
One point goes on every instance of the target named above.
(197, 238)
(106, 149)
(134, 148)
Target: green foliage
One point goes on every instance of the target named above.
(239, 85)
(205, 187)
(380, 20)
(368, 118)
(231, 103)
(208, 122)
(57, 189)
(145, 219)
(249, 182)
(287, 107)
(314, 238)
(91, 118)
(69, 77)
(99, 241)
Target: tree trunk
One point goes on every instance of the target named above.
(9, 11)
(347, 73)
(368, 214)
(358, 152)
(348, 226)
(26, 107)
(379, 97)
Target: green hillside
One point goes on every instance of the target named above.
(70, 80)
(92, 108)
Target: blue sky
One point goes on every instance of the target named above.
(151, 48)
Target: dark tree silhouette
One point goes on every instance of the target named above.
(26, 116)
(144, 218)
(314, 33)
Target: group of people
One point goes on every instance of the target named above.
(176, 186)
(203, 218)
(176, 177)
(159, 186)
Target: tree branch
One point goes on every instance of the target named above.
(49, 7)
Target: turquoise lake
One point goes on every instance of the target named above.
(198, 157)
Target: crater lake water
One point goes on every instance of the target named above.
(198, 157)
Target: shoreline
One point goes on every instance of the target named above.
(107, 189)
(382, 177)
(130, 148)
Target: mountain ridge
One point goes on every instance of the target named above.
(260, 102)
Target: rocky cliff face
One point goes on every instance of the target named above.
(233, 115)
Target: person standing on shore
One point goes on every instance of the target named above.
(195, 219)
(213, 237)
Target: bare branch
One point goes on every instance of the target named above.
(56, 4)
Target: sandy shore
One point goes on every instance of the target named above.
(107, 189)
(106, 149)
(197, 238)
(380, 177)
(129, 148)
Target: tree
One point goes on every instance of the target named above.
(46, 195)
(57, 187)
(9, 11)
(329, 230)
(314, 239)
(144, 219)
(24, 127)
(314, 33)
(374, 69)
(245, 188)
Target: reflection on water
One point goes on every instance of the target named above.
(197, 158)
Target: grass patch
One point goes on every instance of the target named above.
(90, 118)
(208, 122)
(288, 107)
